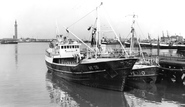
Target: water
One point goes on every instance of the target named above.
(24, 82)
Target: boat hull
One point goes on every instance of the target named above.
(146, 75)
(172, 70)
(15, 42)
(161, 46)
(107, 75)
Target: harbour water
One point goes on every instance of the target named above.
(25, 82)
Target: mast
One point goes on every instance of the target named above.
(167, 34)
(163, 34)
(117, 38)
(57, 29)
(158, 46)
(132, 41)
(95, 32)
(132, 37)
(97, 29)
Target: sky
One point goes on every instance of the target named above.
(41, 18)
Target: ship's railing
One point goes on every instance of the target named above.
(172, 58)
(149, 61)
(51, 54)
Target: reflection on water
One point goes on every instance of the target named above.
(16, 55)
(9, 55)
(69, 94)
(164, 94)
(22, 75)
(22, 84)
(173, 92)
(145, 91)
(136, 94)
(59, 92)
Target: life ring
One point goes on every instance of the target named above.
(143, 72)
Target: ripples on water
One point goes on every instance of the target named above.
(25, 82)
(67, 94)
(75, 95)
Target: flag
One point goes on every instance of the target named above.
(89, 28)
(67, 30)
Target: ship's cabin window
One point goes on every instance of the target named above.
(76, 46)
(69, 47)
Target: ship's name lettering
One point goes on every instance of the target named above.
(93, 67)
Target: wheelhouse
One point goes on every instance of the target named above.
(69, 50)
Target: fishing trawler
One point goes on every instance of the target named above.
(145, 69)
(63, 57)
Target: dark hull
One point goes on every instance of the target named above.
(146, 75)
(9, 42)
(156, 46)
(106, 75)
(182, 47)
(83, 95)
(172, 70)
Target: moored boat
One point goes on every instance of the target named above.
(9, 41)
(64, 58)
(145, 69)
(68, 63)
(143, 73)
(172, 69)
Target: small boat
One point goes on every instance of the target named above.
(9, 41)
(145, 69)
(63, 57)
(143, 73)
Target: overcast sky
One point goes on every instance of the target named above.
(38, 18)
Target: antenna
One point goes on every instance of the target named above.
(133, 16)
(132, 37)
(57, 29)
(132, 31)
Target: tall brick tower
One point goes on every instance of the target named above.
(15, 36)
